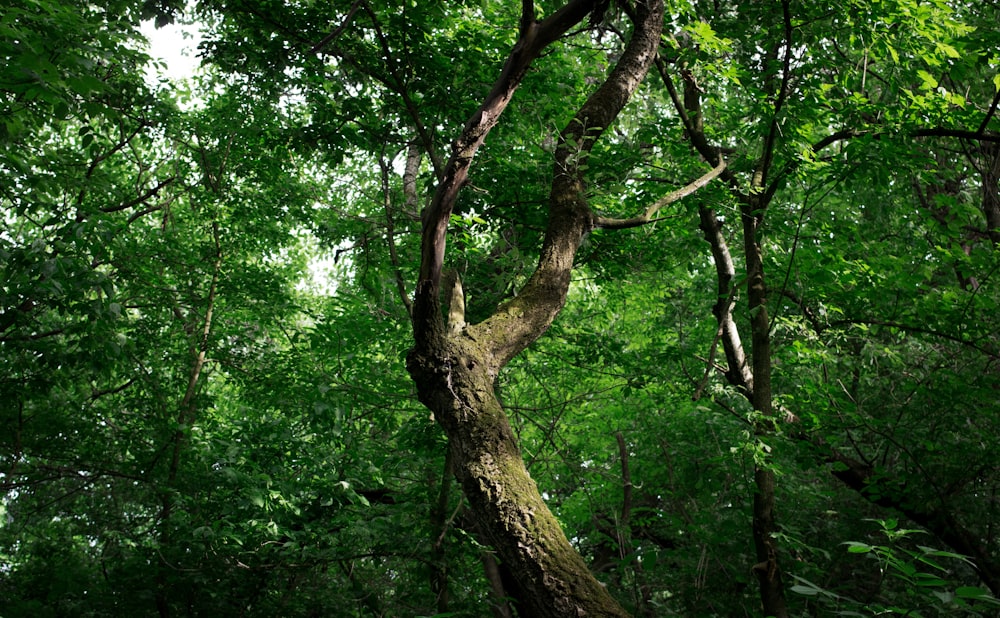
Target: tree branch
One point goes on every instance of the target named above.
(989, 114)
(340, 29)
(524, 318)
(670, 198)
(403, 92)
(960, 133)
(533, 38)
(689, 111)
(390, 234)
(140, 199)
(767, 157)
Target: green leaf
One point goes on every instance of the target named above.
(928, 80)
(855, 547)
(976, 593)
(805, 590)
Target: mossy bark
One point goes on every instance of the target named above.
(454, 366)
(552, 578)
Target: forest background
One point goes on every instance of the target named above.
(636, 307)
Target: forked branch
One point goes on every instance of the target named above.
(534, 36)
(518, 323)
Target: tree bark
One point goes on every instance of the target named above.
(768, 572)
(454, 369)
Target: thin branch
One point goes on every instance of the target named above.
(410, 172)
(960, 133)
(399, 87)
(150, 209)
(391, 237)
(96, 394)
(97, 160)
(626, 480)
(764, 165)
(738, 372)
(843, 134)
(142, 198)
(917, 329)
(670, 198)
(340, 29)
(989, 114)
(689, 111)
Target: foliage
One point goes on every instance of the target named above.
(927, 584)
(195, 425)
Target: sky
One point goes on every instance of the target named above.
(176, 45)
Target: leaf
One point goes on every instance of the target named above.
(855, 547)
(928, 80)
(805, 590)
(976, 593)
(948, 50)
(894, 54)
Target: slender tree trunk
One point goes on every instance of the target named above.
(766, 569)
(439, 531)
(753, 379)
(991, 189)
(187, 412)
(498, 593)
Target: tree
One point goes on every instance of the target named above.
(454, 365)
(693, 292)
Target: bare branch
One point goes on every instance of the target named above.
(960, 133)
(390, 234)
(989, 114)
(400, 88)
(670, 198)
(410, 171)
(767, 157)
(142, 198)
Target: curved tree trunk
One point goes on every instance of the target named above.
(454, 367)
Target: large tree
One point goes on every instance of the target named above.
(694, 291)
(455, 364)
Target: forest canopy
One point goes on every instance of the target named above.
(477, 308)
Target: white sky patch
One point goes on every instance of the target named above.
(176, 46)
(322, 276)
(326, 268)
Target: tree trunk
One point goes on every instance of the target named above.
(766, 569)
(454, 366)
(552, 578)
